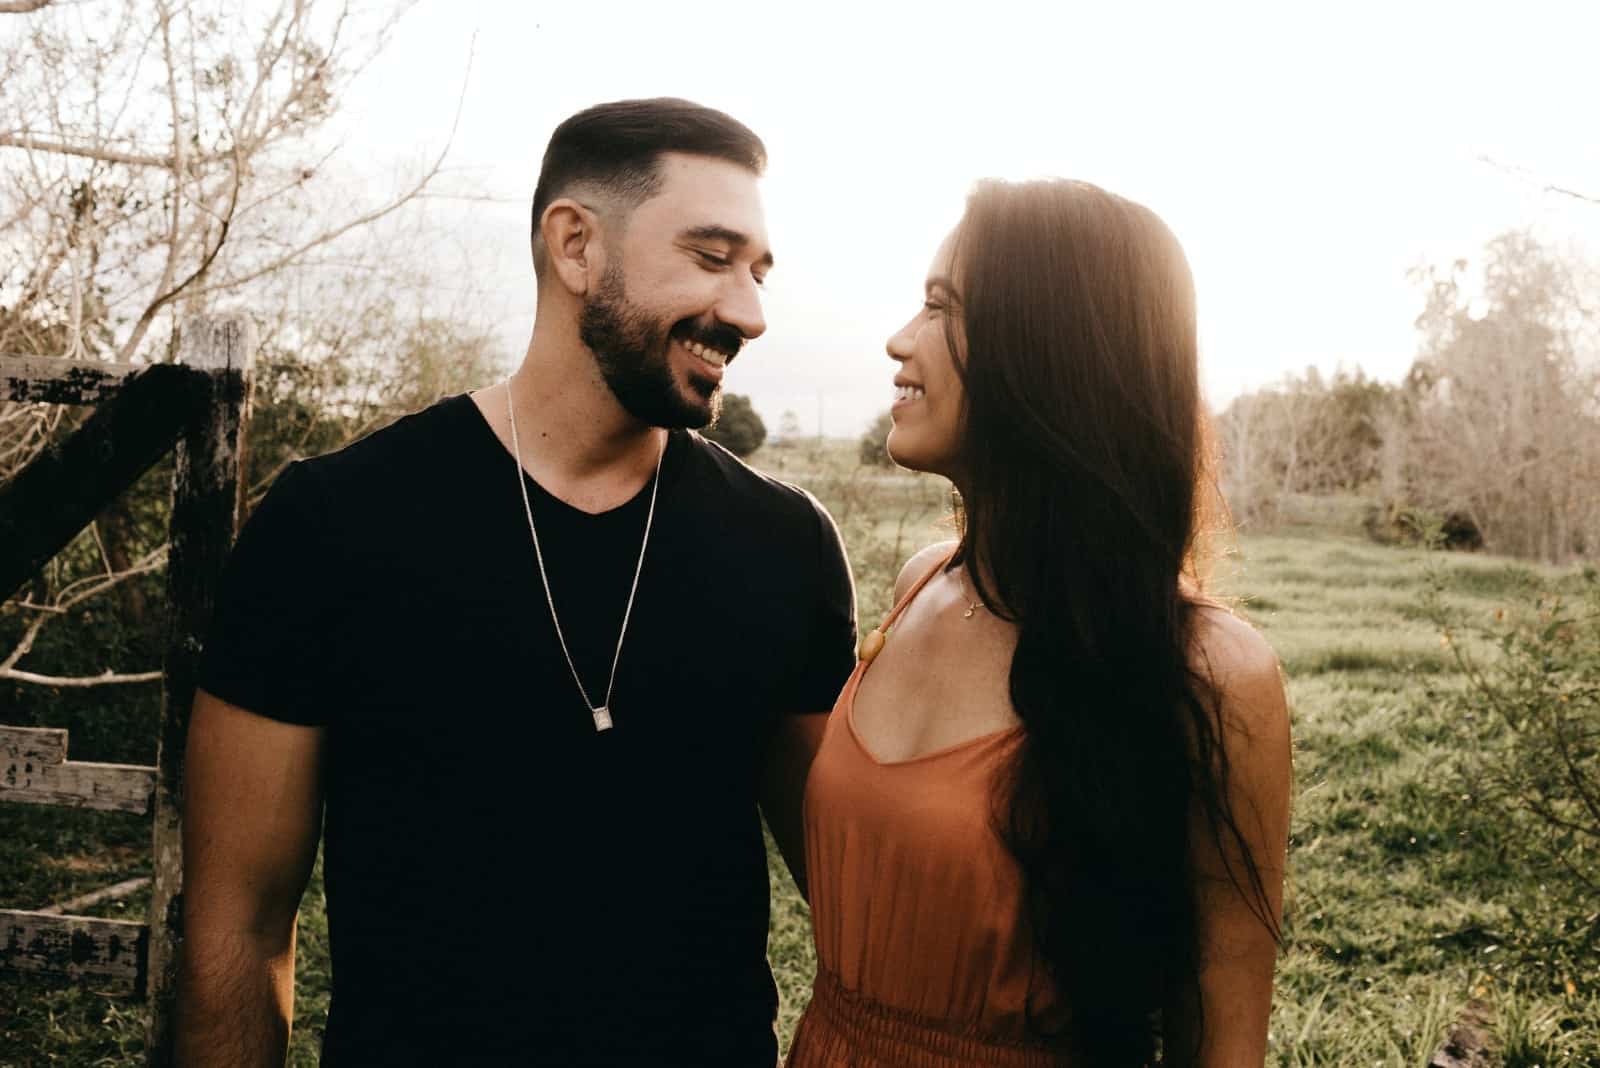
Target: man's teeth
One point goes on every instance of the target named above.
(909, 393)
(712, 356)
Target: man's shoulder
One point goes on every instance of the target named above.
(761, 492)
(384, 478)
(393, 451)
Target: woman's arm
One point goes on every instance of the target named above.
(1237, 949)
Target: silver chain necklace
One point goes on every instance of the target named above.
(601, 712)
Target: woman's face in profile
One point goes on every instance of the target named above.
(929, 400)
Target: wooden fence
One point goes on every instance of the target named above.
(198, 407)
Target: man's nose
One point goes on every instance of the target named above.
(739, 306)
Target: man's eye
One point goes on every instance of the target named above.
(713, 259)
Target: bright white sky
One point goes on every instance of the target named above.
(1306, 155)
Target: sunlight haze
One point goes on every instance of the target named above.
(1306, 160)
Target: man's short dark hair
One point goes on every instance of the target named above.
(614, 149)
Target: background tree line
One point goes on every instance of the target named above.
(1492, 439)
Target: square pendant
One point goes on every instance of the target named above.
(602, 719)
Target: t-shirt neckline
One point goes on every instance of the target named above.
(502, 453)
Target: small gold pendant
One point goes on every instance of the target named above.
(871, 645)
(602, 719)
(971, 608)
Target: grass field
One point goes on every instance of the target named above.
(1401, 906)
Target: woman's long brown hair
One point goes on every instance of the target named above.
(1085, 477)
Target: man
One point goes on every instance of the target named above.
(532, 710)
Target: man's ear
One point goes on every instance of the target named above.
(572, 243)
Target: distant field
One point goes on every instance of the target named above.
(1399, 908)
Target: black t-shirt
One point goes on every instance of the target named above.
(506, 885)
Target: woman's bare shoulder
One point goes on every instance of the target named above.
(1243, 669)
(921, 562)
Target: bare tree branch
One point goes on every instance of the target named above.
(1572, 193)
(1523, 174)
(108, 678)
(22, 7)
(417, 189)
(102, 153)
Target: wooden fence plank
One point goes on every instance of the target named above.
(109, 953)
(205, 512)
(32, 745)
(49, 380)
(54, 497)
(105, 787)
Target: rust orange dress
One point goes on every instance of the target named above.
(924, 958)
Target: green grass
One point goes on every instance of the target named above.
(1401, 905)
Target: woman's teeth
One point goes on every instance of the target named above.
(711, 356)
(909, 393)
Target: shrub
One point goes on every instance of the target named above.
(1530, 764)
(1400, 524)
(875, 442)
(738, 428)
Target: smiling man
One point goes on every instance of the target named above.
(528, 660)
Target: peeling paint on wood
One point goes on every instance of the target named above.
(218, 343)
(48, 502)
(105, 787)
(34, 769)
(202, 405)
(205, 513)
(48, 380)
(109, 953)
(32, 745)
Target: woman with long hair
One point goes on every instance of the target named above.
(1048, 819)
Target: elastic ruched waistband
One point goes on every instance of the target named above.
(843, 1029)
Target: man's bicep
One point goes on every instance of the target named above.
(252, 814)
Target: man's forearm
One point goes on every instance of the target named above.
(235, 1000)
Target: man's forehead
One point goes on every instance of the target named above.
(705, 194)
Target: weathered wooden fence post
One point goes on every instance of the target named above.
(205, 509)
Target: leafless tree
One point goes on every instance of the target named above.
(158, 157)
(1507, 401)
(1302, 435)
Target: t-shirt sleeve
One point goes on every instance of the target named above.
(831, 637)
(269, 642)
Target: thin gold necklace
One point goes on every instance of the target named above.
(602, 711)
(972, 606)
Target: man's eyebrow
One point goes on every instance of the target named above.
(713, 232)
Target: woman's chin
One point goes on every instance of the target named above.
(906, 454)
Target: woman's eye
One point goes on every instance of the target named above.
(932, 307)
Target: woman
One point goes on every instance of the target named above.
(1047, 822)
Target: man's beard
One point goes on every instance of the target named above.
(631, 349)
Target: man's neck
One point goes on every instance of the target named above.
(576, 439)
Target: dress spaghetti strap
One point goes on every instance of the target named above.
(872, 641)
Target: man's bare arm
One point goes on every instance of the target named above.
(252, 818)
(783, 784)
